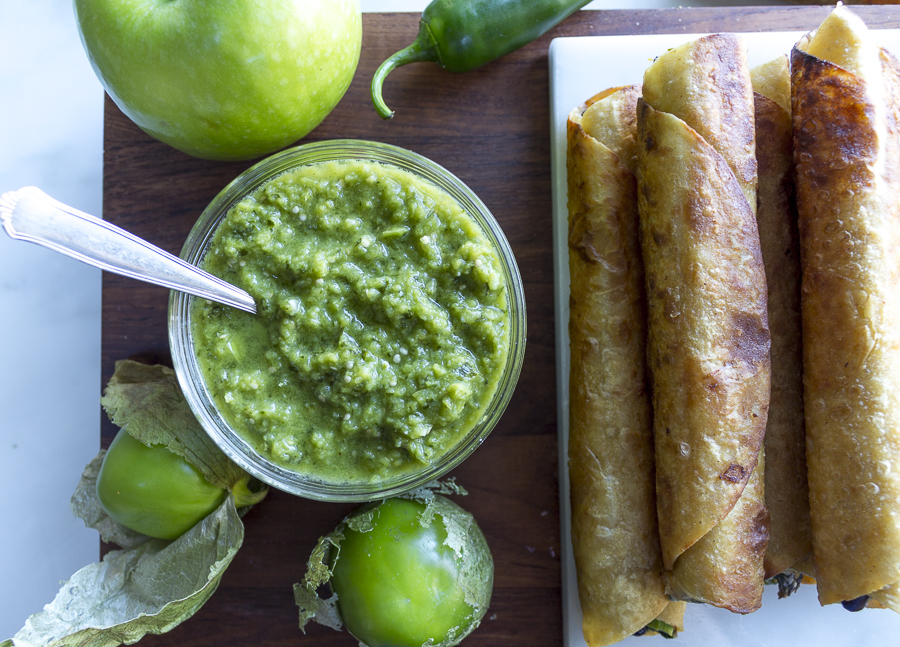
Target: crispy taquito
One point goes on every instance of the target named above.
(846, 124)
(708, 333)
(611, 474)
(787, 495)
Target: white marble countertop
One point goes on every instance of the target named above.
(51, 131)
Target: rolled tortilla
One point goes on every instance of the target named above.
(708, 335)
(846, 105)
(611, 474)
(787, 494)
(725, 564)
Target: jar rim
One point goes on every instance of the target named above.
(190, 376)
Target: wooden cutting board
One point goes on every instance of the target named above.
(491, 128)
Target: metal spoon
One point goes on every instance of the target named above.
(30, 214)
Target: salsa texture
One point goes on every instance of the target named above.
(382, 329)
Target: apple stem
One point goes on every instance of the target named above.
(422, 49)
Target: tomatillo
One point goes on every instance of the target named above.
(409, 573)
(153, 490)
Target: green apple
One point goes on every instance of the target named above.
(223, 79)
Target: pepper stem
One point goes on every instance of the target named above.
(422, 49)
(248, 491)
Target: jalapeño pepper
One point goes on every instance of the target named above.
(461, 35)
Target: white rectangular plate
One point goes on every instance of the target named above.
(579, 69)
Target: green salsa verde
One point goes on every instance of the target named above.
(383, 322)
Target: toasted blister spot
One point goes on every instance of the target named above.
(702, 212)
(660, 237)
(671, 308)
(733, 474)
(759, 532)
(749, 338)
(582, 241)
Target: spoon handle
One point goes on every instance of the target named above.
(30, 214)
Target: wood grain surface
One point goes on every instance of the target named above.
(491, 128)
